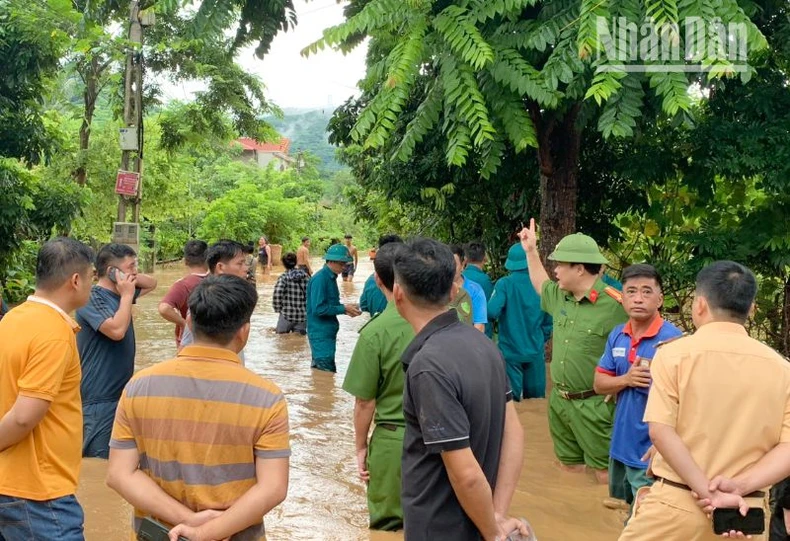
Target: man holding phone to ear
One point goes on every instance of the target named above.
(719, 406)
(106, 342)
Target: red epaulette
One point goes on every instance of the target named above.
(612, 292)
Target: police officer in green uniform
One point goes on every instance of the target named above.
(323, 307)
(460, 300)
(585, 310)
(375, 378)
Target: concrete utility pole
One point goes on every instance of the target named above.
(131, 136)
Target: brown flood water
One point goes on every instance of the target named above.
(326, 501)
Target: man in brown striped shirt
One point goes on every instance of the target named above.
(210, 436)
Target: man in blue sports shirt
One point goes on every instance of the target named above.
(624, 370)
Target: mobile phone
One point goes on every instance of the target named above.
(115, 274)
(725, 520)
(151, 530)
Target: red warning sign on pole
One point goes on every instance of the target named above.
(126, 182)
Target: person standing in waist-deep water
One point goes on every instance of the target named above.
(290, 297)
(222, 257)
(323, 307)
(351, 266)
(264, 255)
(718, 414)
(252, 262)
(200, 442)
(375, 378)
(40, 408)
(624, 371)
(106, 342)
(585, 311)
(523, 327)
(373, 300)
(174, 306)
(463, 444)
(303, 256)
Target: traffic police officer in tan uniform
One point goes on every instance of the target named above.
(718, 414)
(585, 310)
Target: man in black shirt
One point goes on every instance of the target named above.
(463, 445)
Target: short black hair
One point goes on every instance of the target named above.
(729, 288)
(642, 270)
(458, 250)
(425, 268)
(592, 268)
(386, 239)
(195, 252)
(110, 255)
(384, 264)
(222, 251)
(348, 236)
(305, 239)
(59, 259)
(289, 260)
(249, 248)
(475, 252)
(220, 306)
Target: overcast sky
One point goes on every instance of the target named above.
(327, 78)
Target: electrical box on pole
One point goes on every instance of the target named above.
(131, 136)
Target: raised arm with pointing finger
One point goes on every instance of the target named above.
(529, 241)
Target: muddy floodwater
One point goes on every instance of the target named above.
(326, 500)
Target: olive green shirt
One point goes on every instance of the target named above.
(462, 303)
(375, 370)
(581, 329)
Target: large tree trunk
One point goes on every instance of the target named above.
(91, 94)
(558, 160)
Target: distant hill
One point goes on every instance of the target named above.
(307, 131)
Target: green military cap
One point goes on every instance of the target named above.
(338, 252)
(578, 248)
(516, 258)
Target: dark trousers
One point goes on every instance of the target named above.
(284, 326)
(776, 528)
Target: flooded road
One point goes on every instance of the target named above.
(326, 501)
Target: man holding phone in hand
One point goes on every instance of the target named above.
(624, 371)
(106, 342)
(719, 407)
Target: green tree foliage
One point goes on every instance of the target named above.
(30, 49)
(501, 77)
(721, 190)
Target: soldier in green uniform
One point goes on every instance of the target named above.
(375, 378)
(585, 310)
(323, 307)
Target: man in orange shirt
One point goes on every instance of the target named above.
(40, 406)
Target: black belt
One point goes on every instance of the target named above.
(389, 426)
(755, 494)
(576, 396)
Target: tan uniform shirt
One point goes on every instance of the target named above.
(727, 396)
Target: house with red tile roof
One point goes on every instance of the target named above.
(265, 153)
